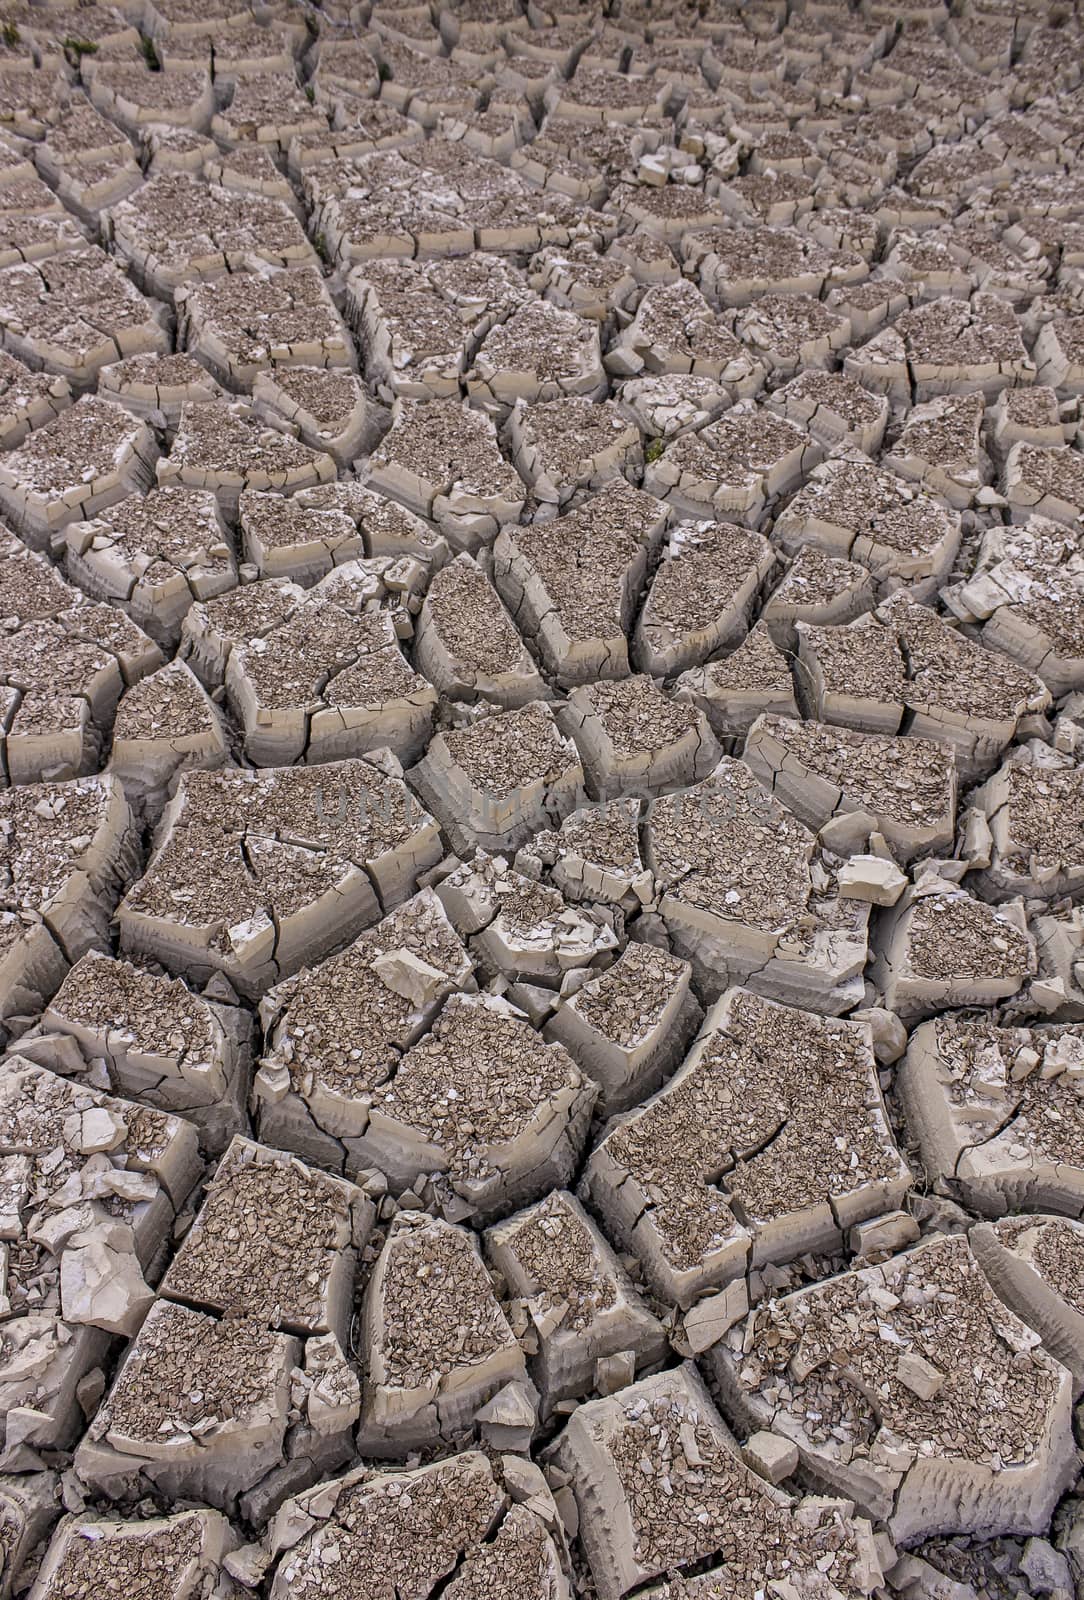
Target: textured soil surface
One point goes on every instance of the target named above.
(541, 800)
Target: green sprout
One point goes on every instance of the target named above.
(77, 48)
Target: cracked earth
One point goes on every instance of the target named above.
(542, 800)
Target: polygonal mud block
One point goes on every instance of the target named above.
(732, 468)
(137, 98)
(421, 322)
(46, 231)
(738, 265)
(579, 278)
(314, 1092)
(389, 530)
(594, 855)
(165, 725)
(676, 331)
(676, 403)
(91, 1187)
(581, 1303)
(522, 928)
(1033, 807)
(268, 107)
(170, 151)
(996, 1112)
(856, 676)
(940, 448)
(629, 1027)
(868, 305)
(333, 1030)
(961, 168)
(64, 663)
(733, 692)
(150, 1431)
(155, 1041)
(702, 595)
(75, 313)
(906, 661)
(446, 1520)
(1009, 595)
(441, 460)
(746, 896)
(904, 789)
(275, 1239)
(660, 1485)
(596, 95)
(718, 1172)
(777, 198)
(969, 1432)
(29, 1507)
(153, 555)
(634, 739)
(833, 409)
(1015, 270)
(664, 214)
(496, 132)
(437, 1344)
(225, 448)
(529, 1110)
(1034, 1265)
(370, 221)
(329, 406)
(1057, 990)
(942, 948)
(27, 400)
(157, 386)
(572, 584)
(244, 323)
(251, 169)
(946, 347)
(790, 333)
(785, 152)
(823, 590)
(1044, 483)
(501, 779)
(291, 538)
(87, 458)
(68, 849)
(212, 629)
(1028, 416)
(330, 681)
(255, 874)
(430, 85)
(176, 229)
(927, 265)
(1059, 354)
(853, 509)
(87, 158)
(180, 1555)
(466, 643)
(512, 221)
(540, 353)
(561, 446)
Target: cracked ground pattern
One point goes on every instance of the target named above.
(541, 799)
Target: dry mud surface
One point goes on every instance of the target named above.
(541, 800)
